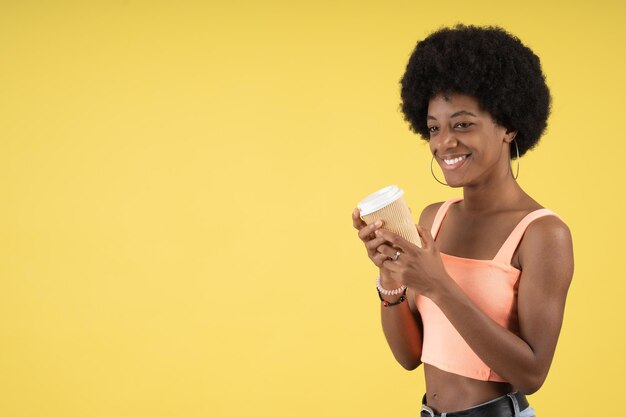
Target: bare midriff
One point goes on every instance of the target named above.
(447, 392)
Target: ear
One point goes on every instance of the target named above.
(509, 135)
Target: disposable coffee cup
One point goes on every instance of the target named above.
(388, 205)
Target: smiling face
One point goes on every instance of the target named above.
(468, 145)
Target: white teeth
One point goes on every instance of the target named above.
(454, 161)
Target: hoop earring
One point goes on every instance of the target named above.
(517, 169)
(433, 172)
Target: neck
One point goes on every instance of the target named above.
(501, 194)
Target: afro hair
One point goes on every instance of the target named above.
(487, 63)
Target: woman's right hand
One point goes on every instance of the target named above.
(367, 236)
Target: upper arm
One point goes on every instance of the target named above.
(547, 261)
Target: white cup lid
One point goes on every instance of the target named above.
(380, 199)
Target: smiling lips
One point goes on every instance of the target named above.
(452, 163)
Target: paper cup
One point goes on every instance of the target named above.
(388, 205)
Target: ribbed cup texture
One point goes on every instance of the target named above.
(396, 218)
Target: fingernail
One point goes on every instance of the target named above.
(377, 232)
(378, 223)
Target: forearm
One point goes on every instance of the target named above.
(402, 330)
(504, 352)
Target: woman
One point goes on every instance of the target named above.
(485, 294)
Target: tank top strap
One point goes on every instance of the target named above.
(441, 213)
(505, 254)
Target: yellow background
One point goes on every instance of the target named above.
(176, 184)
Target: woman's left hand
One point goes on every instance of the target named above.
(420, 269)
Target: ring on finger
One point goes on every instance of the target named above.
(396, 256)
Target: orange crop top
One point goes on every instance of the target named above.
(491, 284)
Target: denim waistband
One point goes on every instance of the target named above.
(506, 406)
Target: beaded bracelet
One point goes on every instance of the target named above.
(383, 291)
(395, 303)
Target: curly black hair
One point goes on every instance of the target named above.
(487, 63)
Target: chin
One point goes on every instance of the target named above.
(455, 182)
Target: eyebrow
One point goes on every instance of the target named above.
(459, 113)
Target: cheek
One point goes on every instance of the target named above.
(493, 142)
(499, 151)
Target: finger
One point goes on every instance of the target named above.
(388, 251)
(357, 221)
(371, 245)
(390, 265)
(395, 240)
(369, 229)
(427, 238)
(378, 259)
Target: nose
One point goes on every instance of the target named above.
(445, 140)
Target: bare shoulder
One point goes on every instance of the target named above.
(547, 233)
(547, 246)
(428, 215)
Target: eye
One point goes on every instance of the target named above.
(463, 125)
(433, 129)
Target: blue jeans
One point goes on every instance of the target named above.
(527, 412)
